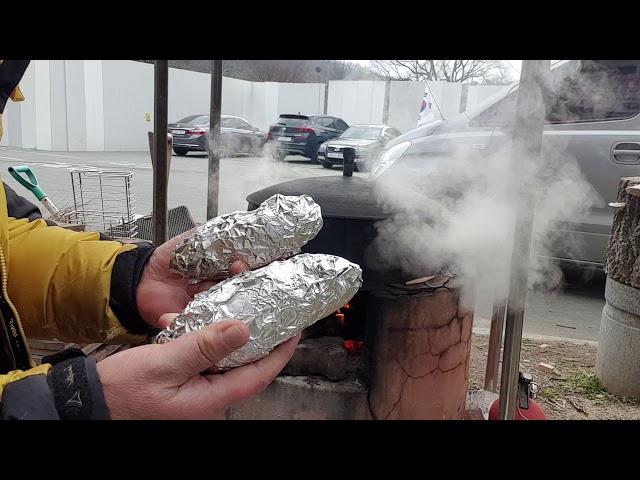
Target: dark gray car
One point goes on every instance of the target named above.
(302, 135)
(237, 135)
(368, 140)
(601, 130)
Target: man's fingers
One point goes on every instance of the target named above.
(243, 382)
(235, 268)
(238, 266)
(194, 288)
(198, 351)
(165, 320)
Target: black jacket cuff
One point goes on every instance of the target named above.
(76, 387)
(125, 277)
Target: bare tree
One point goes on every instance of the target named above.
(501, 75)
(460, 71)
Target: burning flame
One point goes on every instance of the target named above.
(353, 346)
(340, 316)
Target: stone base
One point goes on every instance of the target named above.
(306, 398)
(618, 357)
(313, 398)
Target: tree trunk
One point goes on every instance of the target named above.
(623, 252)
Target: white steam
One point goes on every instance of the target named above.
(455, 211)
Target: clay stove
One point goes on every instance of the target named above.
(400, 348)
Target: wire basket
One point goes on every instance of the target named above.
(103, 200)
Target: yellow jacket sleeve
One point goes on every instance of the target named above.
(16, 375)
(59, 282)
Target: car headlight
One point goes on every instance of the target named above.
(388, 158)
(361, 150)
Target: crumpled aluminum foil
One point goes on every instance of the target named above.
(276, 302)
(276, 229)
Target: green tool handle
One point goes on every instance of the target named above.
(31, 184)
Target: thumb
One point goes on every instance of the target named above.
(200, 350)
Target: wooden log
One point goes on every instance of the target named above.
(90, 348)
(53, 346)
(623, 252)
(105, 351)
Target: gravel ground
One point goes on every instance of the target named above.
(571, 391)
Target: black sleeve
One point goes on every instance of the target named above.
(20, 207)
(70, 391)
(125, 277)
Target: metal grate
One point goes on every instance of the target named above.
(179, 221)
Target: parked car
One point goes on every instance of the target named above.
(368, 140)
(237, 135)
(302, 135)
(600, 129)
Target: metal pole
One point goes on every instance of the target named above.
(385, 108)
(213, 179)
(527, 140)
(495, 343)
(159, 155)
(326, 97)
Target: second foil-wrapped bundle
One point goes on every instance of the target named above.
(276, 302)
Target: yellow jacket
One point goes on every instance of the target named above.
(56, 284)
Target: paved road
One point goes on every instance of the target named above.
(574, 312)
(239, 176)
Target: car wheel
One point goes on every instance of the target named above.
(327, 165)
(180, 151)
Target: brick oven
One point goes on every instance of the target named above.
(398, 350)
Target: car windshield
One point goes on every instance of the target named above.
(293, 120)
(194, 120)
(362, 133)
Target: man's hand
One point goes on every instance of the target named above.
(161, 291)
(165, 381)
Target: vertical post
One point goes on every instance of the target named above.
(495, 343)
(326, 96)
(385, 108)
(527, 140)
(348, 158)
(159, 155)
(213, 178)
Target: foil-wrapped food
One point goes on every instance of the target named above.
(276, 302)
(278, 228)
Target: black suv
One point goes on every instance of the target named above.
(302, 135)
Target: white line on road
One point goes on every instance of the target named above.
(35, 152)
(39, 164)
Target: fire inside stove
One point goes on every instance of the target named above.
(334, 347)
(395, 353)
(344, 315)
(348, 323)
